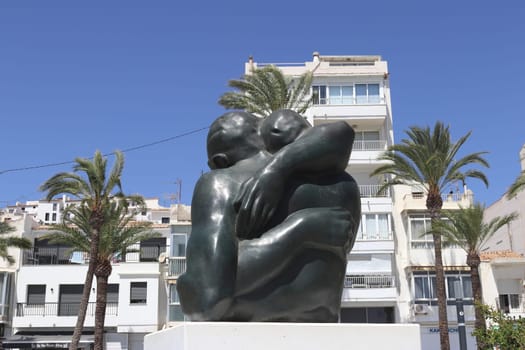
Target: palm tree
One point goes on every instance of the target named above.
(117, 234)
(267, 89)
(517, 186)
(96, 189)
(428, 158)
(10, 242)
(466, 228)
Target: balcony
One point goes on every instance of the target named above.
(372, 191)
(369, 145)
(369, 281)
(369, 287)
(177, 266)
(53, 256)
(60, 309)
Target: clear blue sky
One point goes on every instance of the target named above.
(77, 76)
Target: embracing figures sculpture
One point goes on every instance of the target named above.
(272, 222)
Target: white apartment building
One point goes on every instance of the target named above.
(390, 269)
(503, 270)
(41, 292)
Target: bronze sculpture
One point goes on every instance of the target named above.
(272, 223)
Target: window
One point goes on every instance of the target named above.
(36, 294)
(112, 299)
(367, 93)
(465, 285)
(346, 94)
(178, 245)
(54, 207)
(374, 226)
(175, 311)
(150, 249)
(69, 299)
(368, 141)
(419, 224)
(425, 285)
(319, 94)
(54, 217)
(341, 95)
(510, 303)
(165, 220)
(46, 217)
(138, 292)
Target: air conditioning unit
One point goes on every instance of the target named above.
(420, 309)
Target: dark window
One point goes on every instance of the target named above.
(69, 299)
(36, 294)
(150, 249)
(138, 292)
(367, 315)
(112, 295)
(54, 217)
(47, 217)
(165, 220)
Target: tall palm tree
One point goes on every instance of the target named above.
(428, 158)
(517, 186)
(466, 228)
(96, 187)
(7, 241)
(117, 234)
(267, 89)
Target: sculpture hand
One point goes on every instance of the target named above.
(256, 203)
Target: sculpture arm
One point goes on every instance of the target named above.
(321, 150)
(208, 285)
(263, 259)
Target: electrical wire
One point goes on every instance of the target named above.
(131, 149)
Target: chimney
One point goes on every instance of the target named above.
(316, 57)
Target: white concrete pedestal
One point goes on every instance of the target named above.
(285, 336)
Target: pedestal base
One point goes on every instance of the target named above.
(285, 336)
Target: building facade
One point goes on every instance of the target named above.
(41, 292)
(390, 269)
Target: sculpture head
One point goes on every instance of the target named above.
(232, 137)
(281, 128)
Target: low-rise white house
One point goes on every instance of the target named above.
(41, 307)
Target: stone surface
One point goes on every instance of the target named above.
(285, 336)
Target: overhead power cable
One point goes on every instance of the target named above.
(47, 165)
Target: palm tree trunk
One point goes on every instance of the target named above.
(441, 294)
(77, 333)
(100, 311)
(434, 204)
(473, 262)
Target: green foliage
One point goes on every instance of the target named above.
(117, 234)
(7, 242)
(517, 186)
(429, 158)
(504, 332)
(467, 228)
(266, 90)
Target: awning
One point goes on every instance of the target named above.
(42, 341)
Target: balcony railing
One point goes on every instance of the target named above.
(53, 256)
(60, 309)
(370, 191)
(369, 145)
(177, 266)
(369, 281)
(376, 236)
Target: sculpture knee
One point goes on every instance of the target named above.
(200, 302)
